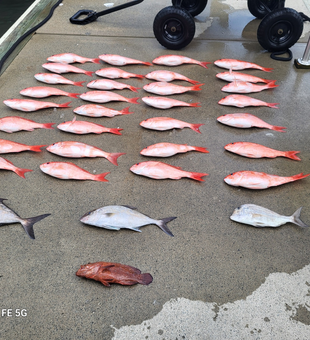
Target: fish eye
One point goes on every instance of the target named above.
(137, 163)
(48, 163)
(231, 174)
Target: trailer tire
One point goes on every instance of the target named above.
(192, 7)
(280, 30)
(174, 27)
(258, 9)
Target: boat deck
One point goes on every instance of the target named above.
(215, 279)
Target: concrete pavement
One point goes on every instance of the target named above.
(216, 279)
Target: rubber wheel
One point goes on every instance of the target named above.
(174, 28)
(258, 7)
(193, 7)
(280, 30)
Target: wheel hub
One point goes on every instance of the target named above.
(173, 29)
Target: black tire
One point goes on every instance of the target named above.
(174, 28)
(258, 7)
(193, 7)
(280, 30)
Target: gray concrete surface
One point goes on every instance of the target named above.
(216, 279)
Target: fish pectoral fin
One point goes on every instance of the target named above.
(136, 229)
(104, 282)
(110, 227)
(102, 269)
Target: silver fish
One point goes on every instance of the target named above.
(8, 216)
(115, 217)
(262, 217)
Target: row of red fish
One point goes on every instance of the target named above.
(61, 169)
(243, 83)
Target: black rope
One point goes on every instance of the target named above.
(33, 29)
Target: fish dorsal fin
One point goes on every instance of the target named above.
(128, 206)
(176, 167)
(230, 71)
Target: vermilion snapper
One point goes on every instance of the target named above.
(233, 76)
(253, 150)
(234, 64)
(67, 170)
(240, 100)
(166, 103)
(163, 75)
(70, 58)
(108, 84)
(169, 149)
(246, 87)
(175, 60)
(114, 73)
(83, 127)
(7, 146)
(106, 96)
(51, 78)
(118, 60)
(44, 91)
(167, 123)
(29, 105)
(247, 120)
(65, 68)
(7, 165)
(164, 88)
(13, 124)
(259, 180)
(160, 170)
(93, 110)
(78, 150)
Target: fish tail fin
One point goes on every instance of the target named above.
(125, 111)
(29, 222)
(21, 172)
(112, 157)
(162, 224)
(273, 105)
(269, 81)
(79, 83)
(147, 63)
(48, 125)
(145, 279)
(73, 95)
(196, 87)
(134, 89)
(89, 73)
(267, 69)
(204, 64)
(201, 149)
(278, 128)
(101, 177)
(116, 131)
(134, 100)
(271, 84)
(65, 104)
(139, 76)
(36, 148)
(299, 176)
(292, 155)
(194, 82)
(196, 127)
(297, 220)
(197, 176)
(95, 60)
(195, 104)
